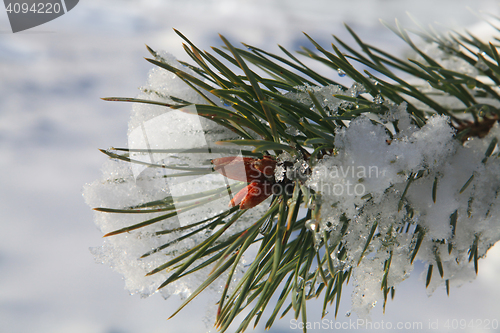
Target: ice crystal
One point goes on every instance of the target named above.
(125, 185)
(325, 95)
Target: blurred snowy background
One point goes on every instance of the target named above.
(52, 122)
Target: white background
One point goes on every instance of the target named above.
(52, 122)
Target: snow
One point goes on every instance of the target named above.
(363, 146)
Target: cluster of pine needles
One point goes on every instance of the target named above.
(289, 262)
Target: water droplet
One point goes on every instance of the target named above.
(312, 225)
(378, 99)
(348, 314)
(471, 84)
(357, 89)
(291, 130)
(481, 65)
(341, 72)
(300, 284)
(451, 47)
(225, 103)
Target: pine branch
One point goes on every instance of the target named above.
(292, 119)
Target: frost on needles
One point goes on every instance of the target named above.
(367, 178)
(365, 181)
